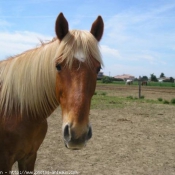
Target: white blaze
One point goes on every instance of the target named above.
(79, 55)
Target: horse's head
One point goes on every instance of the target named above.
(76, 79)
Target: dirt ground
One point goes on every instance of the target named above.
(138, 139)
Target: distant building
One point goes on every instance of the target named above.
(124, 77)
(165, 79)
(100, 76)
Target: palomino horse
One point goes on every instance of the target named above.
(62, 72)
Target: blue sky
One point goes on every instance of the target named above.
(139, 35)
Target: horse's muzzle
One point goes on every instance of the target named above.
(72, 141)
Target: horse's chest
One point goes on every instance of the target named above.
(21, 139)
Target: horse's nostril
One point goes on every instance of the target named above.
(73, 141)
(67, 135)
(89, 134)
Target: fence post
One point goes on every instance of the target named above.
(139, 87)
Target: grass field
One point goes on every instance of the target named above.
(111, 95)
(103, 100)
(158, 84)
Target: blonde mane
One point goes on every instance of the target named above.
(28, 80)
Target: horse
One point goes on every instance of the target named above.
(129, 82)
(144, 83)
(61, 72)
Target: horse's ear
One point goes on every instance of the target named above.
(61, 26)
(97, 28)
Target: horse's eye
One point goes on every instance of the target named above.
(98, 69)
(58, 66)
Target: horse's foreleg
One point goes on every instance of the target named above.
(26, 165)
(5, 165)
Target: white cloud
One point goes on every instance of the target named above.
(119, 69)
(17, 42)
(144, 40)
(138, 28)
(4, 23)
(109, 52)
(147, 56)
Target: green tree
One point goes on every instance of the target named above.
(106, 79)
(171, 79)
(162, 75)
(153, 77)
(145, 78)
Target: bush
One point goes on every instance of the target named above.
(173, 101)
(160, 99)
(129, 97)
(103, 93)
(106, 79)
(95, 93)
(142, 97)
(166, 102)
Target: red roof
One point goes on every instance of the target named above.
(124, 76)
